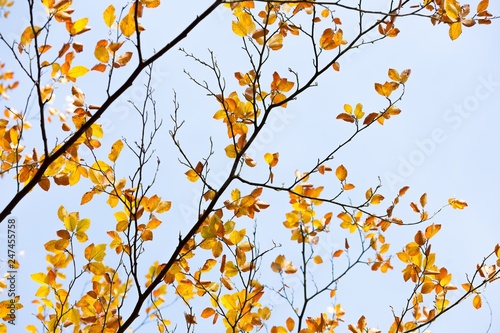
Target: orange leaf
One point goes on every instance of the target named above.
(477, 302)
(271, 159)
(431, 230)
(376, 199)
(341, 173)
(423, 200)
(99, 68)
(207, 312)
(482, 6)
(123, 59)
(290, 324)
(457, 204)
(338, 253)
(87, 197)
(346, 117)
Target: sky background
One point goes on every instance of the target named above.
(445, 143)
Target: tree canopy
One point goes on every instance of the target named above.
(174, 212)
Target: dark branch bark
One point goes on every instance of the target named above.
(140, 67)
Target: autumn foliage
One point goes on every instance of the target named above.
(219, 269)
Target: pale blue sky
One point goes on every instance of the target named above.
(445, 143)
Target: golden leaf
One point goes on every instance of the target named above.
(79, 26)
(192, 175)
(341, 173)
(394, 75)
(423, 200)
(127, 25)
(115, 150)
(455, 30)
(101, 51)
(271, 159)
(230, 151)
(163, 207)
(376, 199)
(77, 71)
(358, 111)
(457, 204)
(109, 15)
(431, 230)
(276, 42)
(477, 302)
(151, 3)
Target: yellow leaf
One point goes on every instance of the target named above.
(163, 207)
(101, 51)
(455, 30)
(271, 159)
(61, 213)
(341, 173)
(330, 39)
(358, 111)
(318, 259)
(77, 71)
(30, 328)
(39, 278)
(28, 35)
(244, 25)
(477, 302)
(376, 199)
(96, 268)
(127, 25)
(115, 150)
(452, 9)
(457, 204)
(95, 252)
(151, 3)
(276, 42)
(386, 89)
(230, 151)
(231, 270)
(431, 230)
(192, 175)
(79, 26)
(394, 75)
(109, 15)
